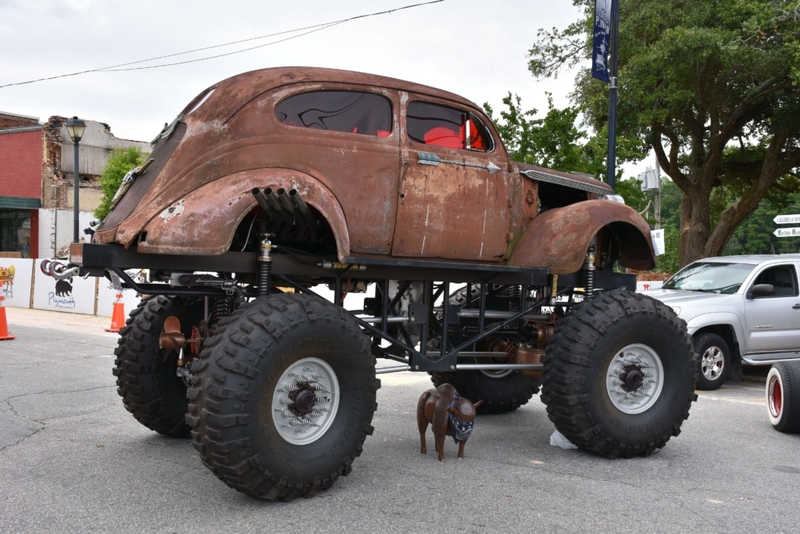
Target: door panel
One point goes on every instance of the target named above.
(453, 202)
(773, 323)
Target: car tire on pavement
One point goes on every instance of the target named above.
(282, 397)
(783, 396)
(501, 392)
(619, 375)
(146, 377)
(713, 361)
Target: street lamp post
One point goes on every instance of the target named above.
(76, 127)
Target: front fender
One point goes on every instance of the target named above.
(559, 238)
(204, 221)
(730, 319)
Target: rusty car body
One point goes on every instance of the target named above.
(390, 195)
(494, 276)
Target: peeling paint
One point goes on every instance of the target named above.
(173, 211)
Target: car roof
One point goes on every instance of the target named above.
(232, 93)
(753, 259)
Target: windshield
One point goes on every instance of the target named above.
(710, 277)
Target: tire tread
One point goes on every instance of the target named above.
(569, 356)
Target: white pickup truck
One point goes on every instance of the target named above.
(738, 309)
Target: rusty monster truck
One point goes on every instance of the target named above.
(494, 276)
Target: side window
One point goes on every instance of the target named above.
(432, 124)
(338, 111)
(782, 278)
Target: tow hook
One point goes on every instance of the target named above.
(58, 270)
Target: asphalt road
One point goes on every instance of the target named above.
(73, 460)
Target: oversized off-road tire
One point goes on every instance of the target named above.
(501, 391)
(619, 375)
(783, 396)
(713, 361)
(282, 396)
(146, 381)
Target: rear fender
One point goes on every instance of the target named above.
(204, 221)
(559, 238)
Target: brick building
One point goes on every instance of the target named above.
(37, 181)
(20, 183)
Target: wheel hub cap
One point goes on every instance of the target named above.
(711, 363)
(305, 401)
(635, 379)
(775, 397)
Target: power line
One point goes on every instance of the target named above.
(306, 31)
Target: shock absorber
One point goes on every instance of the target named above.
(265, 267)
(588, 272)
(515, 292)
(222, 308)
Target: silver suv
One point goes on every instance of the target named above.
(738, 309)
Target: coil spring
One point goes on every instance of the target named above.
(515, 292)
(222, 308)
(264, 278)
(588, 282)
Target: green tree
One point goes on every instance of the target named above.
(756, 233)
(119, 163)
(631, 191)
(669, 262)
(712, 86)
(555, 141)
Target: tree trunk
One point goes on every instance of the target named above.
(695, 225)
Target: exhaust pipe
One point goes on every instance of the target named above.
(286, 218)
(305, 212)
(289, 206)
(275, 218)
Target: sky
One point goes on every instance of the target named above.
(473, 48)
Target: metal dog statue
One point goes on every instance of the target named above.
(449, 415)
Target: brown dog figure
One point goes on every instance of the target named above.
(449, 415)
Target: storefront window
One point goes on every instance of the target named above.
(15, 233)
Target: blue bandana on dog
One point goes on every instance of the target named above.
(461, 429)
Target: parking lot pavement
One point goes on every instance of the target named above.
(73, 460)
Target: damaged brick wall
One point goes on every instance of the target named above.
(54, 189)
(16, 121)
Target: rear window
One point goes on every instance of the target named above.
(338, 111)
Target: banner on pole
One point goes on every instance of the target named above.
(602, 39)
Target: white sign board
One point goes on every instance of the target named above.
(787, 232)
(74, 294)
(15, 281)
(658, 241)
(648, 285)
(787, 219)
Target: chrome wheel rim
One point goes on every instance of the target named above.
(712, 362)
(635, 379)
(774, 396)
(305, 401)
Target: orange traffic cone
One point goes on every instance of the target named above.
(3, 324)
(117, 315)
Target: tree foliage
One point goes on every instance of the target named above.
(555, 141)
(713, 87)
(119, 163)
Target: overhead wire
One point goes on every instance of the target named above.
(306, 31)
